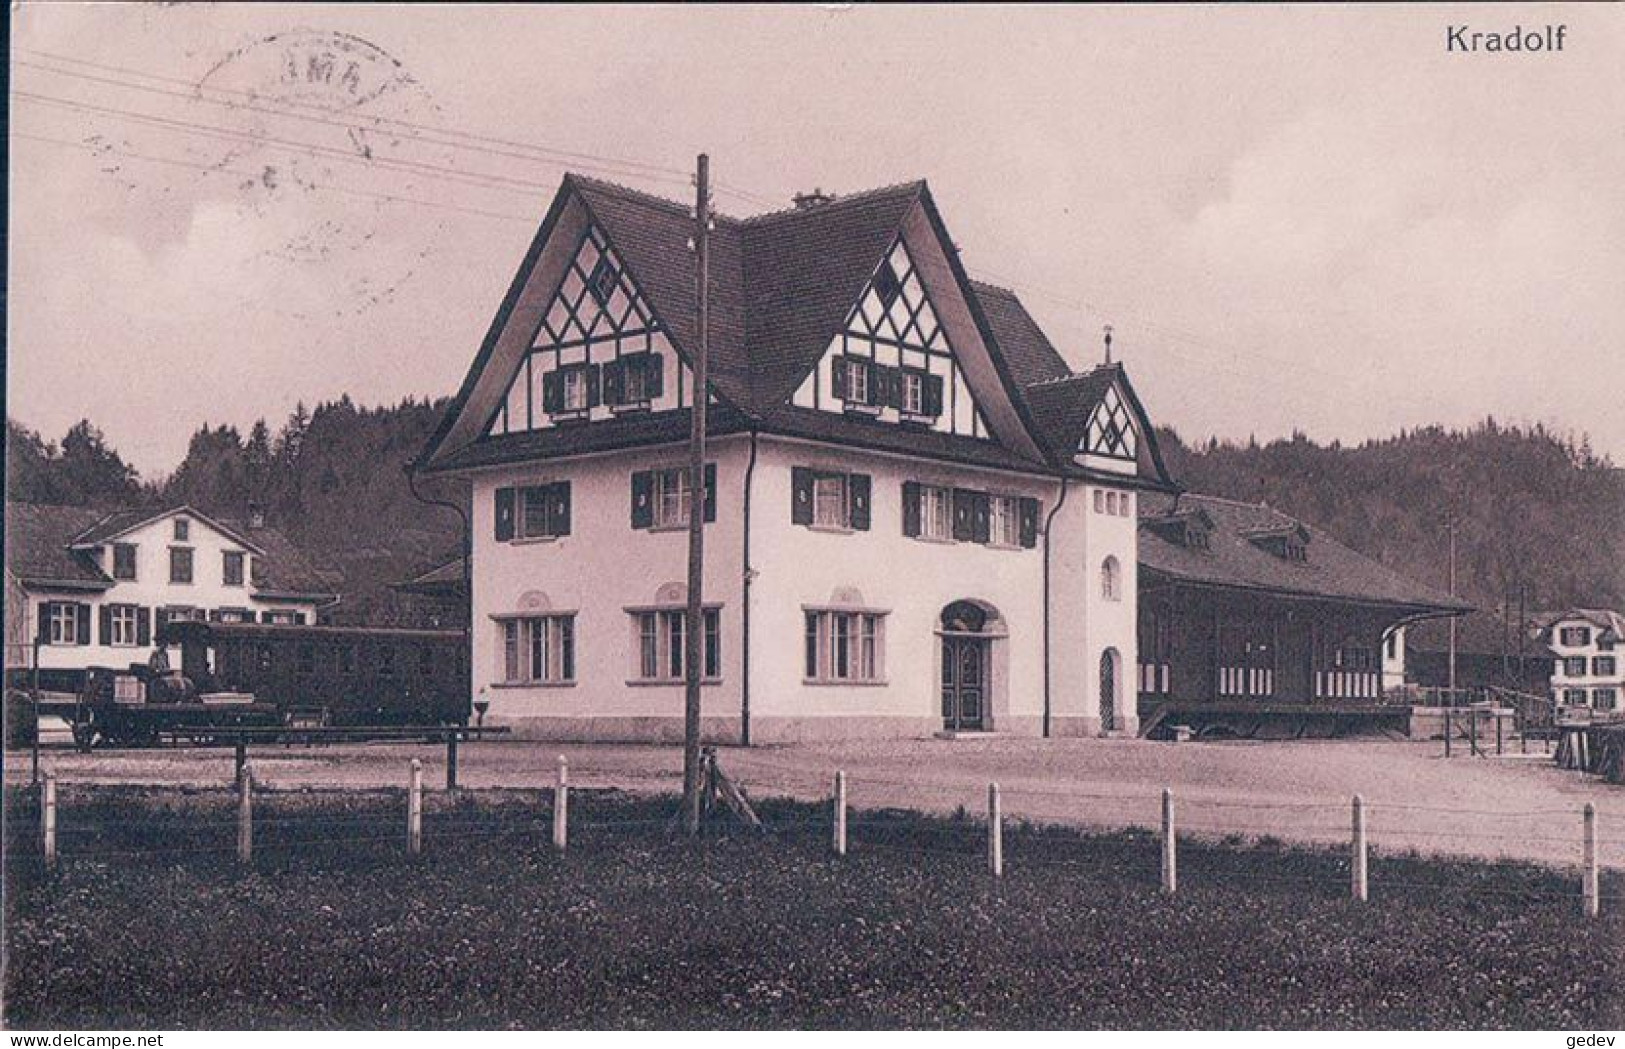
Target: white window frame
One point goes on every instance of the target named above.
(191, 565)
(123, 626)
(1569, 664)
(183, 530)
(1575, 636)
(63, 623)
(936, 513)
(635, 381)
(1004, 521)
(573, 389)
(537, 650)
(1574, 697)
(226, 557)
(848, 646)
(659, 648)
(1597, 663)
(1604, 698)
(913, 393)
(822, 518)
(673, 499)
(857, 380)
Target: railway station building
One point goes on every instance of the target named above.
(919, 518)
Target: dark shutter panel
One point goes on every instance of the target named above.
(964, 515)
(552, 392)
(44, 621)
(615, 381)
(1029, 522)
(558, 502)
(160, 617)
(643, 499)
(594, 386)
(265, 617)
(504, 515)
(143, 626)
(838, 376)
(299, 617)
(894, 388)
(932, 395)
(654, 376)
(801, 500)
(216, 616)
(104, 625)
(858, 487)
(84, 623)
(911, 508)
(982, 517)
(879, 377)
(710, 508)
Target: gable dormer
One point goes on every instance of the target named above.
(1289, 542)
(1111, 440)
(892, 361)
(1191, 529)
(598, 350)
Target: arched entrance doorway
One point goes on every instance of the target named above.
(1108, 690)
(968, 630)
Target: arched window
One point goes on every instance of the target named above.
(1111, 588)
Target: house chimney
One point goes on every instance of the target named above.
(1108, 331)
(256, 515)
(808, 201)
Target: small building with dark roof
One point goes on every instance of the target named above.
(1244, 609)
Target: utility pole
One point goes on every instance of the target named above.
(1452, 526)
(694, 635)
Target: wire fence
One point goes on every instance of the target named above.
(1162, 840)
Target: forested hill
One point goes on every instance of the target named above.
(1532, 509)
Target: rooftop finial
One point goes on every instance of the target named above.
(1108, 330)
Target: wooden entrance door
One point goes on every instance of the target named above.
(964, 682)
(1108, 690)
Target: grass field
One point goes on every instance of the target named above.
(148, 922)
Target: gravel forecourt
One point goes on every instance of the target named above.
(1515, 806)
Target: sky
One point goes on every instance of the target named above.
(1293, 219)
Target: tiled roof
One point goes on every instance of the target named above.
(119, 522)
(1061, 408)
(1331, 570)
(285, 569)
(782, 284)
(1607, 620)
(38, 538)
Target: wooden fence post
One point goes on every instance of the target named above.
(1500, 735)
(414, 810)
(1472, 740)
(1170, 859)
(1447, 729)
(48, 819)
(995, 832)
(1593, 901)
(245, 816)
(240, 753)
(1358, 861)
(561, 806)
(840, 813)
(451, 760)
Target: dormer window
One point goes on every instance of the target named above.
(1289, 543)
(1111, 431)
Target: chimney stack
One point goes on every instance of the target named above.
(256, 515)
(808, 201)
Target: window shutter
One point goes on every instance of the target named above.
(594, 386)
(143, 626)
(615, 381)
(44, 634)
(84, 623)
(104, 624)
(931, 396)
(894, 388)
(911, 508)
(1029, 522)
(643, 504)
(552, 392)
(982, 516)
(216, 616)
(504, 515)
(710, 508)
(299, 617)
(654, 375)
(160, 616)
(858, 488)
(558, 506)
(879, 384)
(964, 515)
(265, 617)
(801, 502)
(838, 386)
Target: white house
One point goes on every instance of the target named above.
(919, 518)
(1587, 669)
(91, 586)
